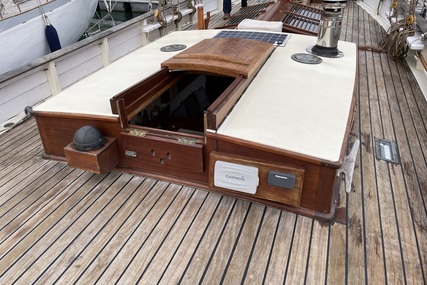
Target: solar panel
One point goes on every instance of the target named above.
(273, 38)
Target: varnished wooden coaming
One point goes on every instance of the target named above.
(162, 152)
(319, 179)
(219, 109)
(141, 94)
(60, 129)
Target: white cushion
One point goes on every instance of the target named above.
(271, 26)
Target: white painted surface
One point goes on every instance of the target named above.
(26, 41)
(92, 94)
(298, 107)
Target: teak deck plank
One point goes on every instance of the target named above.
(32, 204)
(336, 256)
(296, 267)
(7, 155)
(184, 253)
(412, 169)
(101, 260)
(385, 201)
(81, 238)
(31, 188)
(260, 255)
(242, 250)
(157, 264)
(217, 265)
(318, 253)
(412, 165)
(98, 241)
(48, 234)
(354, 233)
(59, 225)
(372, 230)
(139, 236)
(36, 220)
(156, 238)
(281, 248)
(201, 256)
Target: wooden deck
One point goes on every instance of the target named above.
(62, 225)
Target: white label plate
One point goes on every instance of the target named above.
(236, 177)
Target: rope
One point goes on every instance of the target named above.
(44, 16)
(159, 14)
(3, 10)
(394, 42)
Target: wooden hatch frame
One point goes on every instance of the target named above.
(217, 56)
(223, 56)
(170, 149)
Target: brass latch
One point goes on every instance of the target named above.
(187, 141)
(138, 133)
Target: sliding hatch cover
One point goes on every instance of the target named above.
(223, 56)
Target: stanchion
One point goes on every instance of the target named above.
(200, 19)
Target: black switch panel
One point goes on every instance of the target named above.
(281, 179)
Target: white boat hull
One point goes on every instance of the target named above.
(26, 42)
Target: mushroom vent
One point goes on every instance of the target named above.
(88, 138)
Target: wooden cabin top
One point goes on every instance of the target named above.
(92, 95)
(302, 107)
(288, 105)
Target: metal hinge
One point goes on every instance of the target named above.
(130, 153)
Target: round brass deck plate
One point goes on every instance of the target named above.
(306, 58)
(174, 47)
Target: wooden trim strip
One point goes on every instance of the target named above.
(217, 111)
(423, 61)
(270, 149)
(80, 116)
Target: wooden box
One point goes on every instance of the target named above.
(166, 155)
(290, 196)
(101, 160)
